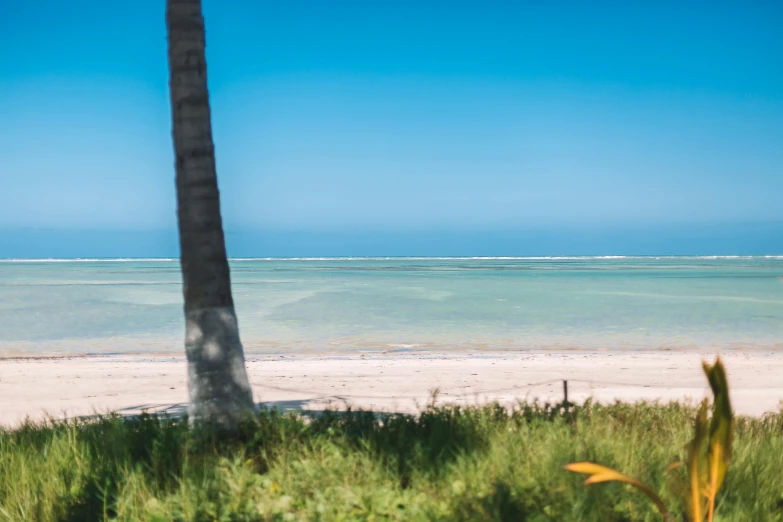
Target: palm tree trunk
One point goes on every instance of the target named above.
(217, 381)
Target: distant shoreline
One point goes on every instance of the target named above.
(415, 352)
(389, 258)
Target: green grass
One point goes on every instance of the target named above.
(447, 463)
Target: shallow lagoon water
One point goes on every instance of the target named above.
(404, 304)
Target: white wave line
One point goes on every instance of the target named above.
(391, 258)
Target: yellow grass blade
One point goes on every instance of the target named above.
(694, 463)
(599, 473)
(674, 465)
(721, 433)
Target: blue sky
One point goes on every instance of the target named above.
(403, 120)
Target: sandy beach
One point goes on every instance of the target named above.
(59, 387)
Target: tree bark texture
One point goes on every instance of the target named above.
(217, 380)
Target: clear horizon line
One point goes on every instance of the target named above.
(389, 258)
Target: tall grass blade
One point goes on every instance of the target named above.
(721, 432)
(696, 482)
(599, 473)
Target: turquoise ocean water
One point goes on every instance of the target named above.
(403, 304)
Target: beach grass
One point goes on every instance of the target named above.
(447, 463)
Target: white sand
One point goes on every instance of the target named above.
(36, 388)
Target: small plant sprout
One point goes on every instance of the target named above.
(705, 467)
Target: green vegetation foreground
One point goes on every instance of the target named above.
(449, 463)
